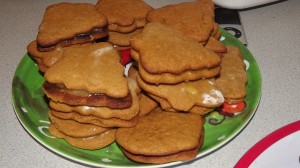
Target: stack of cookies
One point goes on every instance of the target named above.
(87, 88)
(176, 70)
(178, 73)
(63, 25)
(233, 79)
(196, 20)
(162, 137)
(125, 19)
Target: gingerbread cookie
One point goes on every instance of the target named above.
(165, 50)
(58, 93)
(94, 68)
(186, 61)
(180, 156)
(169, 78)
(194, 19)
(124, 16)
(104, 112)
(183, 96)
(75, 129)
(90, 119)
(233, 78)
(91, 143)
(65, 24)
(160, 134)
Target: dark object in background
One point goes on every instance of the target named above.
(229, 19)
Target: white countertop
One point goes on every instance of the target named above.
(273, 36)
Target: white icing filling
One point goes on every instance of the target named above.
(214, 97)
(86, 107)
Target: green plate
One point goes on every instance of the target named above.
(31, 109)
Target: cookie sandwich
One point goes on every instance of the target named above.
(63, 25)
(87, 87)
(162, 137)
(125, 19)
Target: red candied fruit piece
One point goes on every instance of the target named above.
(230, 109)
(126, 56)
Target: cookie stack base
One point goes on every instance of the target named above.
(180, 156)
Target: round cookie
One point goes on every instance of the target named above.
(161, 133)
(180, 156)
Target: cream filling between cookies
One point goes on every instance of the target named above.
(76, 92)
(94, 34)
(213, 97)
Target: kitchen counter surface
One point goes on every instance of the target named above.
(273, 36)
